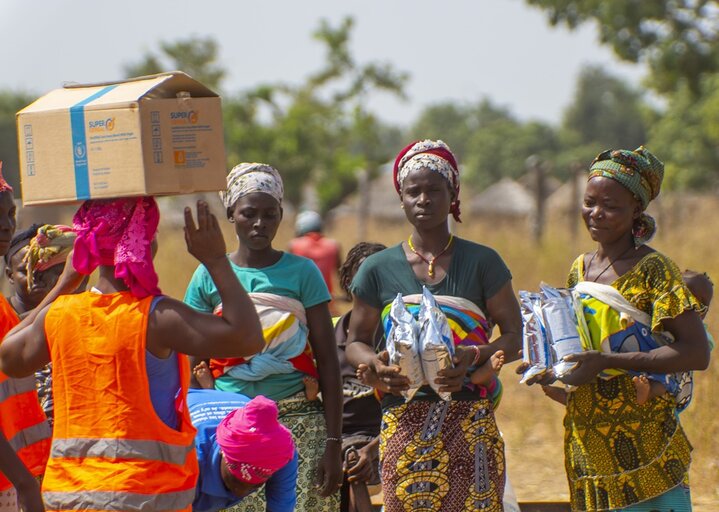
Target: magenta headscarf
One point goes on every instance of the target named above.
(255, 444)
(119, 233)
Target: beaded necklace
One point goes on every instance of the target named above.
(430, 262)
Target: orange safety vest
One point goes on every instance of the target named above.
(22, 420)
(110, 450)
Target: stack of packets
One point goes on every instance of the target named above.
(422, 347)
(553, 329)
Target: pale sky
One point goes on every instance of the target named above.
(460, 50)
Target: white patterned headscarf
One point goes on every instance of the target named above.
(247, 178)
(434, 155)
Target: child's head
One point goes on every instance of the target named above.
(354, 259)
(36, 259)
(15, 262)
(701, 287)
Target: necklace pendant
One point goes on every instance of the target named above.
(430, 270)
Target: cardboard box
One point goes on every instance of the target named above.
(153, 135)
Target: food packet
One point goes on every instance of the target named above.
(435, 341)
(402, 346)
(535, 346)
(560, 320)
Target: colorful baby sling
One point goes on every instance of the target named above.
(470, 326)
(287, 349)
(613, 324)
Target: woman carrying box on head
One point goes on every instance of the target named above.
(122, 438)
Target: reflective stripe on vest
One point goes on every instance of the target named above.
(30, 435)
(12, 387)
(121, 501)
(120, 449)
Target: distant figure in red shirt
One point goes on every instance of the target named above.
(312, 244)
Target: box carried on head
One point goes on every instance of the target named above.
(153, 135)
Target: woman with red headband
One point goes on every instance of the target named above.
(436, 454)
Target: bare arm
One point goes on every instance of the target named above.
(27, 487)
(503, 309)
(174, 325)
(359, 351)
(690, 351)
(25, 351)
(324, 348)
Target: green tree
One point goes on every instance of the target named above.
(319, 132)
(678, 39)
(606, 111)
(10, 103)
(685, 138)
(488, 140)
(196, 56)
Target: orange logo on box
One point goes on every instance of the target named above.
(180, 157)
(192, 117)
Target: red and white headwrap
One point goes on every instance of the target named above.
(118, 232)
(434, 155)
(4, 185)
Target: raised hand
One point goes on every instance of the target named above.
(204, 241)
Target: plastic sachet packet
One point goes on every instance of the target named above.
(403, 347)
(435, 341)
(560, 319)
(535, 346)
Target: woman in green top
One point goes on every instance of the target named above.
(435, 454)
(620, 455)
(291, 300)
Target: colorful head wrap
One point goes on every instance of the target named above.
(247, 178)
(49, 247)
(433, 155)
(118, 232)
(641, 173)
(255, 444)
(20, 240)
(308, 222)
(4, 185)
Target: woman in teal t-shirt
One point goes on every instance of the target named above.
(291, 300)
(435, 454)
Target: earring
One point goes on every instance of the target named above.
(401, 205)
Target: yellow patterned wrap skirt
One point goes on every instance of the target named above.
(619, 453)
(446, 456)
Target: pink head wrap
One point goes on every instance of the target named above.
(119, 233)
(254, 443)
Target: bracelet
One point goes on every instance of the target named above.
(335, 439)
(476, 355)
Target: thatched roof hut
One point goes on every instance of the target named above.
(505, 198)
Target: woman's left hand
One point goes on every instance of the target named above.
(451, 379)
(590, 364)
(329, 470)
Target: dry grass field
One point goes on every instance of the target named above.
(532, 424)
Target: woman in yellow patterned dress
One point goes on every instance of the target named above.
(620, 455)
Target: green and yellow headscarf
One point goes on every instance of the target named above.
(641, 173)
